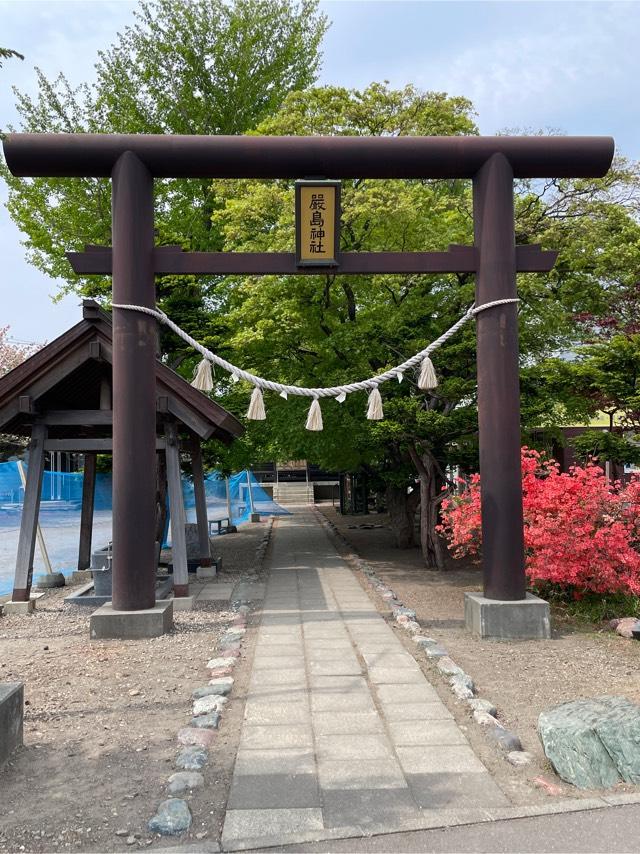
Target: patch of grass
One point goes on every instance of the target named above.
(590, 608)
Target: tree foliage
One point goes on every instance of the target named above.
(11, 355)
(328, 329)
(200, 67)
(333, 329)
(7, 53)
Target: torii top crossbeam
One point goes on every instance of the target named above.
(95, 155)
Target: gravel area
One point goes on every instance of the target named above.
(522, 678)
(101, 720)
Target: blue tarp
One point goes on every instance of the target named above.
(243, 489)
(60, 512)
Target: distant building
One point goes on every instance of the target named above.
(297, 482)
(562, 450)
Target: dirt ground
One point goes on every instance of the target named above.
(523, 678)
(101, 719)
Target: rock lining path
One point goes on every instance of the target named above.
(341, 727)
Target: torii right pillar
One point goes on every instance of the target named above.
(505, 611)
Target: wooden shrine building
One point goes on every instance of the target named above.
(61, 398)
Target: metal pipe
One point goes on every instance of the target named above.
(134, 389)
(498, 384)
(83, 155)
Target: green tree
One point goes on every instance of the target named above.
(197, 67)
(595, 285)
(608, 376)
(325, 330)
(595, 225)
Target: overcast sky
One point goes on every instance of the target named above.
(571, 66)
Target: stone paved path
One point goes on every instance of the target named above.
(341, 727)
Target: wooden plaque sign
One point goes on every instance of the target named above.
(317, 223)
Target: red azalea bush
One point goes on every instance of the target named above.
(580, 531)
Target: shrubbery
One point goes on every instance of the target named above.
(581, 533)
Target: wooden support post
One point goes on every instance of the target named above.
(44, 554)
(250, 490)
(201, 502)
(105, 396)
(134, 388)
(86, 515)
(227, 489)
(29, 521)
(498, 383)
(176, 508)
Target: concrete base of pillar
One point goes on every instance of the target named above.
(106, 622)
(81, 576)
(183, 603)
(495, 619)
(11, 717)
(206, 573)
(19, 607)
(255, 517)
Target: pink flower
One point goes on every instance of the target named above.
(579, 531)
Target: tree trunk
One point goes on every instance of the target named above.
(402, 510)
(430, 543)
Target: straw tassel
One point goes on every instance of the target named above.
(256, 407)
(314, 418)
(203, 378)
(427, 379)
(374, 410)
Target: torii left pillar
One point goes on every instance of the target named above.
(133, 611)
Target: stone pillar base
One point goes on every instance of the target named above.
(106, 622)
(206, 572)
(19, 607)
(521, 619)
(81, 576)
(11, 717)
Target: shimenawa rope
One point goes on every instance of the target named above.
(427, 379)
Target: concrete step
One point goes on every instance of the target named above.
(293, 493)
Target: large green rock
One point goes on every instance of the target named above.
(593, 744)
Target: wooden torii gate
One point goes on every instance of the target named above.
(133, 162)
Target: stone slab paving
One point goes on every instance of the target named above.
(222, 591)
(341, 727)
